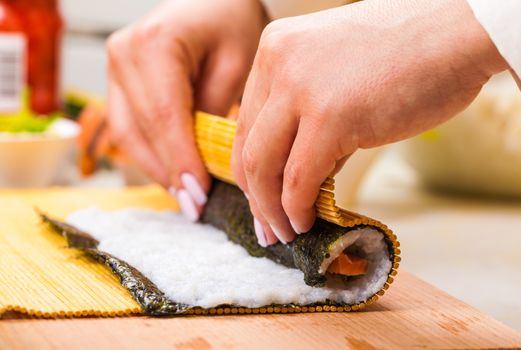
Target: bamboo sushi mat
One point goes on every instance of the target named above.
(40, 276)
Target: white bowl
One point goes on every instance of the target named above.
(34, 160)
(477, 152)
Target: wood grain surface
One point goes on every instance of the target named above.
(413, 314)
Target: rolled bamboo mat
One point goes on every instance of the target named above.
(40, 276)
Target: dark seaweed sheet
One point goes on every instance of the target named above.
(152, 300)
(228, 210)
(145, 292)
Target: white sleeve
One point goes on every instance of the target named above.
(285, 8)
(502, 21)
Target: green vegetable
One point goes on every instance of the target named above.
(26, 121)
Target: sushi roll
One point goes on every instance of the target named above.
(362, 255)
(352, 256)
(342, 246)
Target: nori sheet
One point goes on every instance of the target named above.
(228, 210)
(152, 301)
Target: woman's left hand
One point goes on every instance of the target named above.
(359, 76)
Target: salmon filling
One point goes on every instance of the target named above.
(348, 265)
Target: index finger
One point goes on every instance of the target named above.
(169, 122)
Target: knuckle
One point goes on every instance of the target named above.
(164, 114)
(144, 33)
(163, 123)
(249, 162)
(293, 175)
(319, 109)
(274, 27)
(163, 117)
(117, 43)
(271, 45)
(289, 204)
(273, 40)
(242, 127)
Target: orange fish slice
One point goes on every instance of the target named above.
(348, 265)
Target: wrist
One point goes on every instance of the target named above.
(481, 50)
(491, 61)
(458, 38)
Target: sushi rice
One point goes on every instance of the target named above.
(196, 264)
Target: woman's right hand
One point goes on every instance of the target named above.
(185, 55)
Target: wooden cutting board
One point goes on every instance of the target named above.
(413, 314)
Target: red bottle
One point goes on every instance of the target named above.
(12, 58)
(43, 26)
(9, 19)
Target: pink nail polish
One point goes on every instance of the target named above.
(279, 236)
(187, 204)
(259, 232)
(297, 231)
(193, 187)
(271, 239)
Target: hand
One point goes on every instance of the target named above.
(359, 76)
(185, 55)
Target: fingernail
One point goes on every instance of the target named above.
(270, 236)
(259, 232)
(187, 205)
(193, 187)
(297, 231)
(279, 236)
(246, 195)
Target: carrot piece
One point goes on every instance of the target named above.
(348, 265)
(94, 141)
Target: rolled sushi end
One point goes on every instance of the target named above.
(312, 252)
(316, 251)
(372, 261)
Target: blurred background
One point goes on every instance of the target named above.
(88, 24)
(452, 194)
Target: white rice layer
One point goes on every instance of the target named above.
(197, 265)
